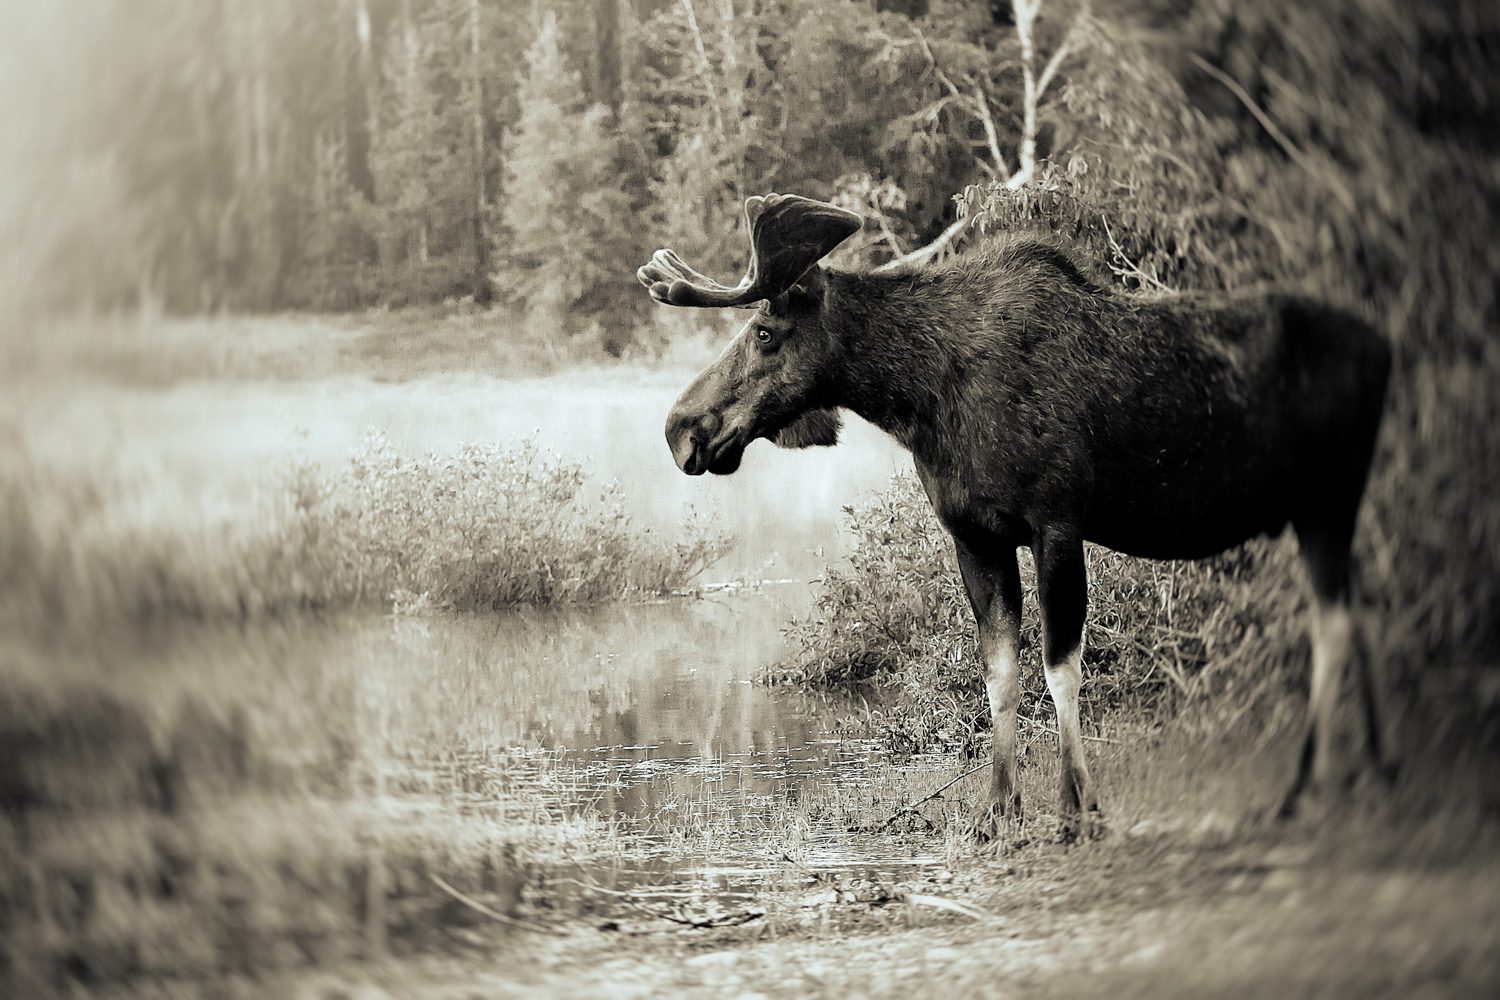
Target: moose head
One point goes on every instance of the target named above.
(766, 383)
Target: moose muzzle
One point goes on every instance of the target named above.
(696, 430)
(689, 435)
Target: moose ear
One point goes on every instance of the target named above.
(810, 287)
(815, 428)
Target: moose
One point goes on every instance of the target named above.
(1044, 409)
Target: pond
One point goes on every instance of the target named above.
(205, 449)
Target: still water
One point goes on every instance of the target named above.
(643, 709)
(646, 716)
(652, 716)
(204, 450)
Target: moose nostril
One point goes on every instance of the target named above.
(697, 429)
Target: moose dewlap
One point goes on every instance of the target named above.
(1042, 409)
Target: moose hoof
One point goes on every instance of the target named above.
(996, 813)
(1082, 826)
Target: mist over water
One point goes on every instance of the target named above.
(211, 446)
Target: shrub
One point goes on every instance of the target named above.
(489, 526)
(483, 528)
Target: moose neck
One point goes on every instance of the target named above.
(894, 362)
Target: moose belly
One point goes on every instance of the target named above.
(1193, 514)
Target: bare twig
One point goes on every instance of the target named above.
(932, 61)
(939, 791)
(978, 105)
(1134, 269)
(941, 903)
(1290, 148)
(1092, 739)
(890, 237)
(982, 103)
(479, 907)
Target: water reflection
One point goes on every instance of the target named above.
(653, 718)
(646, 714)
(655, 699)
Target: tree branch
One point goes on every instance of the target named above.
(1026, 12)
(977, 105)
(924, 253)
(982, 103)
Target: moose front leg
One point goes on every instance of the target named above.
(993, 583)
(1062, 591)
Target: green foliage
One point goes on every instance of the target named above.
(1224, 635)
(487, 527)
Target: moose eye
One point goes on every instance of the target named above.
(764, 336)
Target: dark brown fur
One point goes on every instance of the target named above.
(1042, 409)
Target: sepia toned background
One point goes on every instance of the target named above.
(346, 581)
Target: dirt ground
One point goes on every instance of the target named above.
(1208, 911)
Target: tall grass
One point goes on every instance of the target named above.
(239, 817)
(1160, 635)
(485, 527)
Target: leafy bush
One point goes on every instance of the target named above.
(485, 527)
(1160, 634)
(489, 526)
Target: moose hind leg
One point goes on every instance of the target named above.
(993, 584)
(1326, 555)
(1382, 752)
(1062, 588)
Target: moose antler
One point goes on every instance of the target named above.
(788, 236)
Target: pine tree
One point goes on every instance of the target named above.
(564, 209)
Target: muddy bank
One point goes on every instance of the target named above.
(1302, 912)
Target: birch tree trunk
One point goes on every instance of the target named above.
(482, 289)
